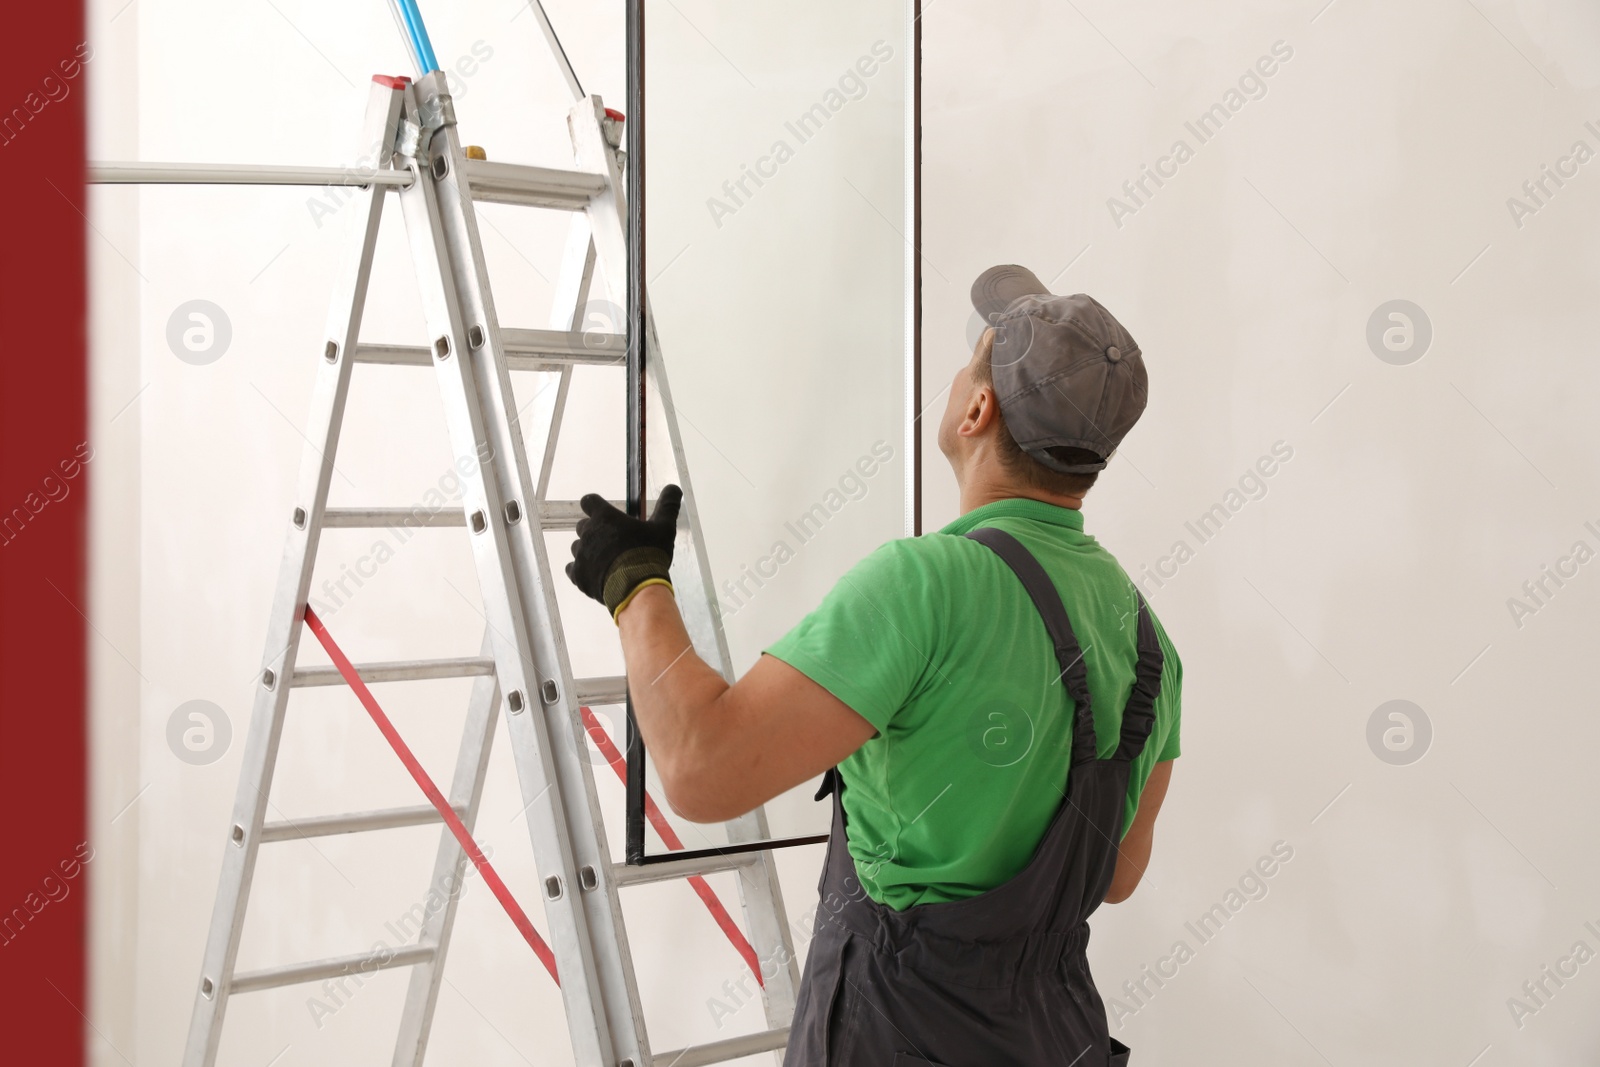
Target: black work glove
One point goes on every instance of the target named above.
(616, 554)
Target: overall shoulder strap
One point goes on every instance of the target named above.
(1074, 675)
(1139, 715)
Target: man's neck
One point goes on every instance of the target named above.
(977, 495)
(983, 480)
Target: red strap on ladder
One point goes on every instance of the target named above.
(702, 888)
(446, 812)
(490, 877)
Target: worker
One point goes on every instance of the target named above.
(995, 707)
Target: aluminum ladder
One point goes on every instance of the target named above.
(523, 669)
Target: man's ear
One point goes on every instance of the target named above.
(982, 406)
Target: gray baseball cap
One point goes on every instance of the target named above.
(1066, 372)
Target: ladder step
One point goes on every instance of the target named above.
(602, 692)
(553, 515)
(405, 670)
(531, 350)
(566, 514)
(721, 1051)
(515, 183)
(372, 518)
(665, 870)
(359, 822)
(361, 963)
(242, 174)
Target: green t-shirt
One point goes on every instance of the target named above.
(935, 642)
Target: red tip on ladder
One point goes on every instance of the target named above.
(614, 115)
(392, 81)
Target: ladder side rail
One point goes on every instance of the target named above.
(585, 865)
(568, 310)
(284, 626)
(608, 222)
(443, 251)
(558, 411)
(759, 888)
(449, 867)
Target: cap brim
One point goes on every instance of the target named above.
(998, 287)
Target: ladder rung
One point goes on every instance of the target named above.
(564, 346)
(359, 822)
(553, 515)
(721, 1051)
(394, 355)
(515, 183)
(602, 692)
(242, 174)
(405, 670)
(364, 963)
(418, 516)
(666, 870)
(525, 350)
(566, 514)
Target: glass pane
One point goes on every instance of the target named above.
(775, 251)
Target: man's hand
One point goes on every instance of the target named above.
(616, 555)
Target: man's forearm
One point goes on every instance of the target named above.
(1133, 853)
(675, 692)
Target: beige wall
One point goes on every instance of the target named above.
(116, 428)
(1378, 564)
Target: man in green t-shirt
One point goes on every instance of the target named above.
(926, 677)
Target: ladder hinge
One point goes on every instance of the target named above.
(413, 138)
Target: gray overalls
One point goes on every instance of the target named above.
(1000, 978)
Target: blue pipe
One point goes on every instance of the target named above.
(421, 47)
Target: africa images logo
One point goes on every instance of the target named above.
(1001, 733)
